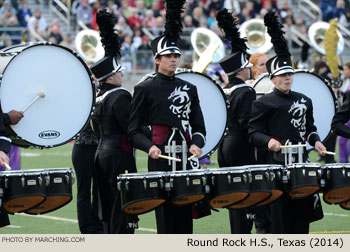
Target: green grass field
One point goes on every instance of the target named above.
(64, 220)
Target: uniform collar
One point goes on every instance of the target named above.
(279, 93)
(234, 81)
(108, 86)
(165, 77)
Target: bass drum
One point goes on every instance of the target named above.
(214, 107)
(62, 76)
(316, 88)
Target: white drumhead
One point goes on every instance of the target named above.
(213, 105)
(69, 94)
(314, 87)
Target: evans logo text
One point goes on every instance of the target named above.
(49, 134)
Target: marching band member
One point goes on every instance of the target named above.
(169, 105)
(235, 149)
(114, 153)
(282, 116)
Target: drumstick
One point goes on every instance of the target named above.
(292, 146)
(328, 152)
(193, 156)
(41, 94)
(6, 165)
(171, 158)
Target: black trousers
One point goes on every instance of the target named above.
(236, 151)
(83, 156)
(291, 216)
(171, 219)
(109, 164)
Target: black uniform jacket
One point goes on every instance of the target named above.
(341, 117)
(165, 100)
(282, 116)
(241, 97)
(111, 117)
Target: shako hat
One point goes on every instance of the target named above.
(168, 42)
(109, 65)
(282, 62)
(237, 60)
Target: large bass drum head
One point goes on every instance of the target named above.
(214, 107)
(69, 94)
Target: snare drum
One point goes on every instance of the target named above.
(68, 86)
(259, 186)
(228, 186)
(23, 189)
(303, 179)
(141, 192)
(345, 205)
(58, 190)
(337, 189)
(187, 187)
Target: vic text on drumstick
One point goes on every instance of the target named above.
(328, 153)
(6, 165)
(40, 94)
(171, 158)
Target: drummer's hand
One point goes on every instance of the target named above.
(4, 158)
(15, 116)
(274, 145)
(154, 151)
(320, 148)
(195, 150)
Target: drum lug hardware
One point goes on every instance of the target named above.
(343, 171)
(245, 178)
(73, 177)
(188, 181)
(207, 189)
(145, 183)
(171, 183)
(127, 185)
(319, 173)
(167, 186)
(213, 180)
(250, 178)
(6, 182)
(229, 178)
(285, 176)
(204, 179)
(304, 172)
(40, 180)
(161, 183)
(323, 183)
(119, 185)
(328, 174)
(267, 175)
(67, 178)
(23, 180)
(47, 179)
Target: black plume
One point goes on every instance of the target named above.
(228, 24)
(173, 25)
(274, 29)
(109, 36)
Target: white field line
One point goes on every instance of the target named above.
(72, 220)
(12, 226)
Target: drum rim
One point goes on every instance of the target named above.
(302, 165)
(185, 70)
(44, 43)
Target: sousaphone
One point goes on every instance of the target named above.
(89, 46)
(316, 37)
(255, 31)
